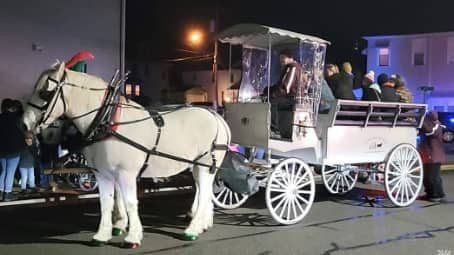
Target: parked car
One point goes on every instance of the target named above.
(447, 119)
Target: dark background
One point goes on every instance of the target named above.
(161, 25)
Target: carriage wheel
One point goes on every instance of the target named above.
(225, 198)
(87, 182)
(290, 191)
(339, 180)
(403, 175)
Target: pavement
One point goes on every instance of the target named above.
(335, 225)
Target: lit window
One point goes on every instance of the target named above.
(383, 57)
(137, 90)
(128, 89)
(418, 49)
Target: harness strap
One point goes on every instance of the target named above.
(161, 154)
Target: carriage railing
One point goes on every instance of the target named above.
(368, 113)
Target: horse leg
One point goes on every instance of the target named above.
(203, 217)
(106, 198)
(128, 188)
(119, 216)
(195, 204)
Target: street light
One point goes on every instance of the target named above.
(195, 37)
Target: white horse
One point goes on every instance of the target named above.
(187, 133)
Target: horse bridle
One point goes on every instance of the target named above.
(51, 98)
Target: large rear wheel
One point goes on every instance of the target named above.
(403, 175)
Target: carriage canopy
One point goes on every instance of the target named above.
(260, 58)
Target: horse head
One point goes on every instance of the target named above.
(47, 102)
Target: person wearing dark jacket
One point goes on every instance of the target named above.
(287, 89)
(12, 142)
(432, 153)
(388, 91)
(27, 163)
(341, 84)
(371, 90)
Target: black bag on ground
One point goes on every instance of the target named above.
(237, 174)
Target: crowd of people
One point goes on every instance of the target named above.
(338, 83)
(22, 156)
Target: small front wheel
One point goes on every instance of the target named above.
(290, 191)
(225, 198)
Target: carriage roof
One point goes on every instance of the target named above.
(256, 35)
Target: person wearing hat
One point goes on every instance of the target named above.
(388, 90)
(372, 91)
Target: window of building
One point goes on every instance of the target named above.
(450, 108)
(450, 50)
(439, 108)
(418, 49)
(128, 89)
(383, 57)
(137, 90)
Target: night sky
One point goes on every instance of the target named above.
(163, 23)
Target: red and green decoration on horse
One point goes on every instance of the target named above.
(78, 62)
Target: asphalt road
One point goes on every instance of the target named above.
(335, 225)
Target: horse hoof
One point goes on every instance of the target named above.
(117, 232)
(97, 243)
(189, 237)
(128, 245)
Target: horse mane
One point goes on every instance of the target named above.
(87, 79)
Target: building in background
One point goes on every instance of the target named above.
(422, 59)
(33, 34)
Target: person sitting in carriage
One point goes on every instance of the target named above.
(282, 94)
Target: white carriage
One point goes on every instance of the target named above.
(353, 136)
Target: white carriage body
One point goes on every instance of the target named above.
(352, 135)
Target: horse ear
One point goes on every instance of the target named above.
(60, 70)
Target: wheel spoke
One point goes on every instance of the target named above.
(225, 197)
(393, 180)
(331, 177)
(330, 171)
(412, 182)
(406, 191)
(338, 183)
(302, 199)
(278, 197)
(294, 208)
(220, 193)
(351, 178)
(299, 206)
(236, 197)
(302, 178)
(308, 192)
(289, 206)
(284, 207)
(277, 190)
(297, 174)
(395, 186)
(280, 203)
(394, 173)
(282, 185)
(398, 168)
(292, 176)
(230, 197)
(303, 185)
(414, 169)
(414, 176)
(332, 184)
